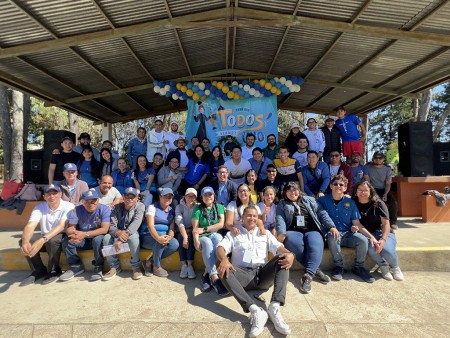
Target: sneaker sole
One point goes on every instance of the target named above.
(74, 275)
(183, 276)
(192, 277)
(107, 278)
(50, 280)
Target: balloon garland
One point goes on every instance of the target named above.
(228, 91)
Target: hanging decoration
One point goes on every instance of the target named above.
(228, 90)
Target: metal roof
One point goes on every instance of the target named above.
(99, 58)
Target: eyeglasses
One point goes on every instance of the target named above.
(338, 184)
(129, 197)
(241, 191)
(362, 191)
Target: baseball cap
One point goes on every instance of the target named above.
(174, 122)
(90, 195)
(191, 191)
(52, 187)
(329, 119)
(379, 153)
(131, 191)
(84, 135)
(165, 191)
(70, 167)
(207, 190)
(295, 125)
(356, 152)
(66, 138)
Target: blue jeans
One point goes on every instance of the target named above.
(159, 251)
(133, 243)
(307, 247)
(388, 255)
(186, 255)
(209, 247)
(350, 240)
(94, 243)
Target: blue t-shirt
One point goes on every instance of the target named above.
(317, 179)
(196, 171)
(86, 173)
(91, 221)
(162, 218)
(358, 173)
(122, 180)
(143, 177)
(341, 214)
(348, 127)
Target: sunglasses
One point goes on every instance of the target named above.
(338, 184)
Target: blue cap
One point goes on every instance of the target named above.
(207, 190)
(165, 191)
(52, 187)
(70, 167)
(131, 191)
(90, 195)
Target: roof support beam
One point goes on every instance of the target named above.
(207, 19)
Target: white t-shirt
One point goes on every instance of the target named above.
(172, 137)
(47, 218)
(237, 172)
(249, 249)
(184, 159)
(334, 170)
(302, 158)
(107, 199)
(237, 219)
(247, 152)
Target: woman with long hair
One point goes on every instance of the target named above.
(89, 167)
(143, 177)
(301, 226)
(122, 176)
(375, 218)
(251, 179)
(269, 209)
(215, 161)
(107, 163)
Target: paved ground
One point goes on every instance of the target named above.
(159, 307)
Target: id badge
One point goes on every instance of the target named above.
(247, 256)
(300, 221)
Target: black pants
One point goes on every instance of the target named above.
(53, 249)
(243, 279)
(391, 203)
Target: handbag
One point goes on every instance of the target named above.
(10, 189)
(29, 193)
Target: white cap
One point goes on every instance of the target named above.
(191, 191)
(295, 125)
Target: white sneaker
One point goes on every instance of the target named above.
(184, 271)
(258, 319)
(277, 319)
(398, 275)
(385, 272)
(190, 272)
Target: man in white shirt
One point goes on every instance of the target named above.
(249, 269)
(247, 150)
(109, 195)
(156, 140)
(52, 218)
(237, 166)
(172, 136)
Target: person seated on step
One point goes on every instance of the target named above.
(72, 188)
(249, 269)
(126, 218)
(89, 223)
(52, 216)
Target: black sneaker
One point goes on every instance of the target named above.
(51, 277)
(206, 283)
(220, 289)
(337, 273)
(35, 275)
(363, 273)
(305, 283)
(321, 277)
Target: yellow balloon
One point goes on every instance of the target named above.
(262, 82)
(255, 81)
(195, 96)
(273, 90)
(230, 95)
(178, 86)
(278, 92)
(268, 85)
(236, 96)
(183, 89)
(219, 85)
(189, 92)
(214, 83)
(226, 89)
(203, 98)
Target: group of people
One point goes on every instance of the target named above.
(194, 200)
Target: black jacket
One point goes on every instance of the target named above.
(332, 140)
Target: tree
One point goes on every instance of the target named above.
(6, 130)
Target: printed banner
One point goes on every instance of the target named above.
(215, 119)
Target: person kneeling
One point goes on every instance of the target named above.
(126, 218)
(249, 269)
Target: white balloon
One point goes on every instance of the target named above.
(162, 91)
(282, 80)
(252, 91)
(157, 89)
(298, 89)
(167, 87)
(201, 86)
(246, 87)
(257, 94)
(174, 96)
(288, 83)
(234, 83)
(241, 85)
(207, 92)
(276, 79)
(196, 83)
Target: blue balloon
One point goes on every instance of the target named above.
(235, 88)
(268, 93)
(179, 93)
(300, 81)
(244, 82)
(208, 85)
(172, 84)
(247, 95)
(272, 82)
(294, 79)
(195, 89)
(287, 78)
(168, 94)
(201, 92)
(226, 84)
(155, 83)
(212, 96)
(278, 85)
(262, 90)
(241, 92)
(189, 85)
(257, 86)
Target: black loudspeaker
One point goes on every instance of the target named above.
(415, 146)
(52, 141)
(33, 166)
(441, 159)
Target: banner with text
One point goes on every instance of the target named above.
(215, 119)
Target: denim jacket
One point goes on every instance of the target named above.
(285, 215)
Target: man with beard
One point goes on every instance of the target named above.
(316, 176)
(301, 155)
(137, 146)
(359, 171)
(156, 140)
(180, 153)
(226, 190)
(172, 136)
(259, 163)
(272, 149)
(194, 142)
(272, 180)
(249, 146)
(332, 139)
(85, 140)
(109, 195)
(337, 167)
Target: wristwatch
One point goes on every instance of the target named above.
(88, 234)
(45, 239)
